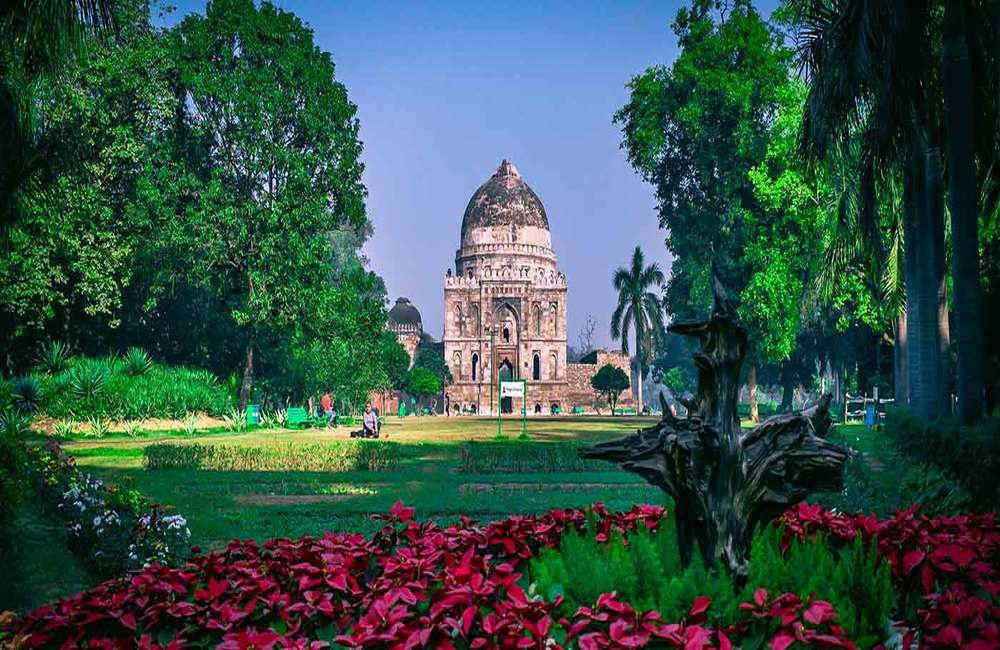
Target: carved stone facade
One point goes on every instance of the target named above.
(505, 307)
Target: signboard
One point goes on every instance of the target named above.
(511, 389)
(514, 388)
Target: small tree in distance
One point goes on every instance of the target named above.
(423, 383)
(609, 382)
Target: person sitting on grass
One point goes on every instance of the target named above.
(370, 422)
(327, 403)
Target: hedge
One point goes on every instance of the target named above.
(969, 454)
(354, 455)
(520, 457)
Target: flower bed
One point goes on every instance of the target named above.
(345, 456)
(418, 585)
(112, 528)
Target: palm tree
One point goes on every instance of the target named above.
(963, 194)
(639, 310)
(869, 66)
(36, 38)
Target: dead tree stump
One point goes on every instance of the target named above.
(724, 481)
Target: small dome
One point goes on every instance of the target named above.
(404, 315)
(502, 200)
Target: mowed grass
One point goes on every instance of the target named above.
(221, 506)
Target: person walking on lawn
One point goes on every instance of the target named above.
(370, 422)
(327, 403)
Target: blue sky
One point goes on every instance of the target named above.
(445, 90)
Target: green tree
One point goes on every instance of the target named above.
(429, 357)
(609, 382)
(695, 131)
(272, 140)
(72, 247)
(640, 310)
(423, 383)
(37, 38)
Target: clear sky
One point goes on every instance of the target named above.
(445, 90)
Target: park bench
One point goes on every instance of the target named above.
(628, 411)
(298, 417)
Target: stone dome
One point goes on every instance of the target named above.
(505, 199)
(404, 316)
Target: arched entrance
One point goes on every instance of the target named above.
(506, 371)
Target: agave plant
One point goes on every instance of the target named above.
(13, 423)
(236, 420)
(133, 429)
(27, 395)
(64, 428)
(275, 419)
(97, 427)
(53, 357)
(87, 381)
(136, 361)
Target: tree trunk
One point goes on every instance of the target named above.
(638, 382)
(787, 388)
(935, 211)
(247, 383)
(901, 389)
(964, 202)
(915, 391)
(752, 386)
(724, 481)
(928, 283)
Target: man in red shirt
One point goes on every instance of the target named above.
(327, 403)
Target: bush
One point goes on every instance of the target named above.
(136, 362)
(520, 456)
(13, 458)
(27, 395)
(104, 387)
(970, 455)
(112, 528)
(354, 455)
(645, 572)
(53, 358)
(897, 484)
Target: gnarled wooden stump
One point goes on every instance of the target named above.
(725, 481)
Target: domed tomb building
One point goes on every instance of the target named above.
(505, 307)
(404, 322)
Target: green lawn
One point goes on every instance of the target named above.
(224, 505)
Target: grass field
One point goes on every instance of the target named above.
(224, 505)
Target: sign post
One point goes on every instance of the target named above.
(514, 388)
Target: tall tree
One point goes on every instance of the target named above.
(713, 133)
(273, 141)
(639, 310)
(956, 77)
(37, 37)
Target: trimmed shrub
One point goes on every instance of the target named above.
(970, 455)
(347, 456)
(521, 456)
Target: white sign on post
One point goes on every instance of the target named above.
(511, 389)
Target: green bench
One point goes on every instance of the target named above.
(628, 411)
(298, 417)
